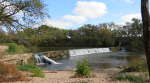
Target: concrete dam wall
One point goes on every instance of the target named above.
(76, 52)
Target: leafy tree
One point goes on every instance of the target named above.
(45, 38)
(106, 37)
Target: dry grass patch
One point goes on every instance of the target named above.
(9, 73)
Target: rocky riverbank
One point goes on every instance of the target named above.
(16, 58)
(60, 54)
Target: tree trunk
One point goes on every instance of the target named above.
(146, 29)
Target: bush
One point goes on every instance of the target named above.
(130, 78)
(83, 69)
(14, 48)
(37, 72)
(115, 49)
(22, 49)
(9, 72)
(136, 66)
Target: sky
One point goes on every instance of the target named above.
(72, 14)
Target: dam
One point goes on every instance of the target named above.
(42, 59)
(77, 52)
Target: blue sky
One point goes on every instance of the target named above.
(71, 14)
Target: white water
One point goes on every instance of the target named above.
(77, 52)
(40, 59)
(50, 60)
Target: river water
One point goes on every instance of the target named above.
(97, 61)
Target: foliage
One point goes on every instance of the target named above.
(131, 36)
(15, 10)
(37, 72)
(8, 72)
(114, 49)
(130, 78)
(14, 48)
(136, 66)
(46, 38)
(83, 69)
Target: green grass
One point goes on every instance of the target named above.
(14, 48)
(130, 78)
(37, 72)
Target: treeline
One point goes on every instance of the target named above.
(45, 38)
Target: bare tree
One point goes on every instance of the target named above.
(146, 29)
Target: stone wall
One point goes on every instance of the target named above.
(57, 54)
(16, 58)
(24, 58)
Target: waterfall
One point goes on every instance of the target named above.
(76, 52)
(42, 59)
(50, 60)
(38, 59)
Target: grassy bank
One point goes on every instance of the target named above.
(36, 71)
(133, 77)
(135, 72)
(13, 48)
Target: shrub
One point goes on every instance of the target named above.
(83, 69)
(37, 72)
(137, 66)
(115, 49)
(130, 78)
(22, 49)
(9, 72)
(14, 48)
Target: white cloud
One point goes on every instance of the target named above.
(76, 19)
(83, 11)
(56, 23)
(86, 10)
(90, 9)
(129, 17)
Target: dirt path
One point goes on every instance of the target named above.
(2, 49)
(66, 77)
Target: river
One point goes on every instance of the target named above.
(97, 61)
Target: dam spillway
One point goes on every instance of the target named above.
(77, 52)
(42, 59)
